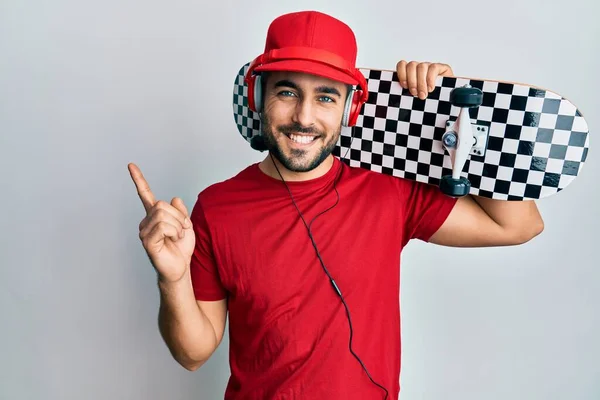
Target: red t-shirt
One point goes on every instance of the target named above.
(288, 329)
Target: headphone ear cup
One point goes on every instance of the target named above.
(254, 93)
(258, 94)
(258, 143)
(355, 107)
(352, 108)
(348, 108)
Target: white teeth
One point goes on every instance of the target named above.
(302, 139)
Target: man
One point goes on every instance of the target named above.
(302, 250)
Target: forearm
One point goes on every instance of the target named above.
(519, 219)
(186, 330)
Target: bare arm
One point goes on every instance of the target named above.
(474, 221)
(192, 330)
(478, 221)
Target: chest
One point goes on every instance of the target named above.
(270, 260)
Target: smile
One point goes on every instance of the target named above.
(301, 139)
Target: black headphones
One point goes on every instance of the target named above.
(258, 143)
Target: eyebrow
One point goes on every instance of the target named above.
(320, 89)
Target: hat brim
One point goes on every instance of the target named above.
(309, 67)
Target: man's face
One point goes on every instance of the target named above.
(301, 118)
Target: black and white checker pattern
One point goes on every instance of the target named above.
(537, 144)
(247, 121)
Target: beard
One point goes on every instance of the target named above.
(298, 160)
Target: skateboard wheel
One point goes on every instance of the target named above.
(455, 187)
(466, 97)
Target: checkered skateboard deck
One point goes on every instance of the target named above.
(535, 141)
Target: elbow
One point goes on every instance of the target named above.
(536, 228)
(529, 232)
(189, 363)
(191, 366)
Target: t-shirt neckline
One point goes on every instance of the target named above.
(309, 183)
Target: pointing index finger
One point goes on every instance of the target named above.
(142, 187)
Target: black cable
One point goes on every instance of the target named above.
(309, 229)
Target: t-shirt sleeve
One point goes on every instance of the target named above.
(204, 270)
(425, 209)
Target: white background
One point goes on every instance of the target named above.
(86, 87)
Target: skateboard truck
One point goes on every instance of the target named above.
(460, 140)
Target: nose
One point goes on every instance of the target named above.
(303, 114)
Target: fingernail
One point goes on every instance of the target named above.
(187, 223)
(413, 91)
(422, 95)
(403, 83)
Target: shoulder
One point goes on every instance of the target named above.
(406, 193)
(381, 180)
(231, 192)
(244, 179)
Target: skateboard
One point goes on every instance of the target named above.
(495, 139)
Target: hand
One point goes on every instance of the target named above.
(420, 78)
(166, 232)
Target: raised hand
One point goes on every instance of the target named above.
(419, 78)
(166, 231)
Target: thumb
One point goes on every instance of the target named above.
(447, 70)
(180, 205)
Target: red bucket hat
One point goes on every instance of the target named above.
(310, 42)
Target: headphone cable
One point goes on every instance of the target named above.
(308, 227)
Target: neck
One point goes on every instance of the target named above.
(269, 168)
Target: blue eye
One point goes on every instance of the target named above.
(289, 93)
